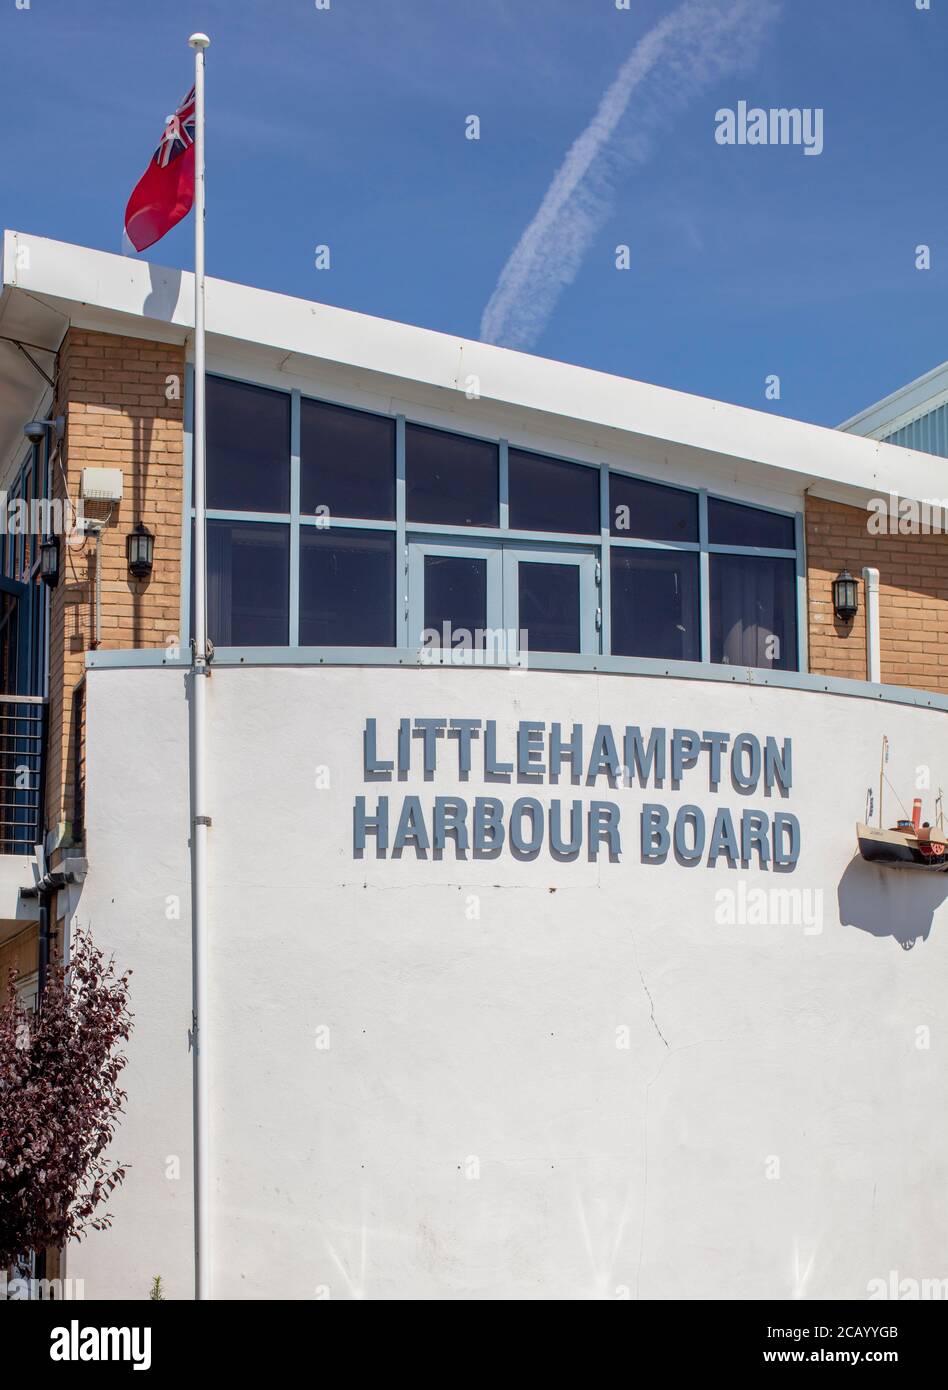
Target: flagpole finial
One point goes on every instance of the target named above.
(199, 41)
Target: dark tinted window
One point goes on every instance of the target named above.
(549, 606)
(731, 523)
(650, 511)
(456, 594)
(248, 447)
(655, 607)
(347, 588)
(754, 611)
(248, 583)
(347, 462)
(550, 495)
(450, 480)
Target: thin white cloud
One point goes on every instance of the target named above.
(697, 44)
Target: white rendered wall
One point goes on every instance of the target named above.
(476, 1126)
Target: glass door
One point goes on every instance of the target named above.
(503, 600)
(551, 599)
(455, 598)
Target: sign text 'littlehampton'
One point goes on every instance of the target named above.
(533, 754)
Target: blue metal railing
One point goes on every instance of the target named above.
(22, 772)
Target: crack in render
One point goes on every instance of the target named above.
(651, 1005)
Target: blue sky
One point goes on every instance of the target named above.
(347, 127)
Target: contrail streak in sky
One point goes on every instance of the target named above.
(698, 43)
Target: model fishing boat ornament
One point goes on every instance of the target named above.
(909, 844)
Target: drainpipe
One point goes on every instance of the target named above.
(873, 656)
(45, 898)
(45, 891)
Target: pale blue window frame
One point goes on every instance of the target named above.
(503, 559)
(585, 560)
(412, 535)
(705, 549)
(419, 548)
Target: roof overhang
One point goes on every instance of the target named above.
(48, 285)
(29, 330)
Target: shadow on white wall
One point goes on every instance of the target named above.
(900, 903)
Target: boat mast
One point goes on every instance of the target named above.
(885, 754)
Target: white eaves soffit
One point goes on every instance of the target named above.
(122, 294)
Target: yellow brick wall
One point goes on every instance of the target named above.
(21, 954)
(114, 393)
(913, 598)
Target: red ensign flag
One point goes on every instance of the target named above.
(165, 191)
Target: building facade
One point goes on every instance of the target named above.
(541, 960)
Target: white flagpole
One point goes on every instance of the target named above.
(200, 671)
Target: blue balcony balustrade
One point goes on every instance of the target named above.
(22, 772)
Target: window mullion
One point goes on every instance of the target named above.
(803, 657)
(504, 475)
(704, 575)
(401, 543)
(604, 596)
(294, 640)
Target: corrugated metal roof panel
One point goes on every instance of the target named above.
(928, 434)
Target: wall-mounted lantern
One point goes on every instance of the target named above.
(845, 596)
(140, 549)
(49, 561)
